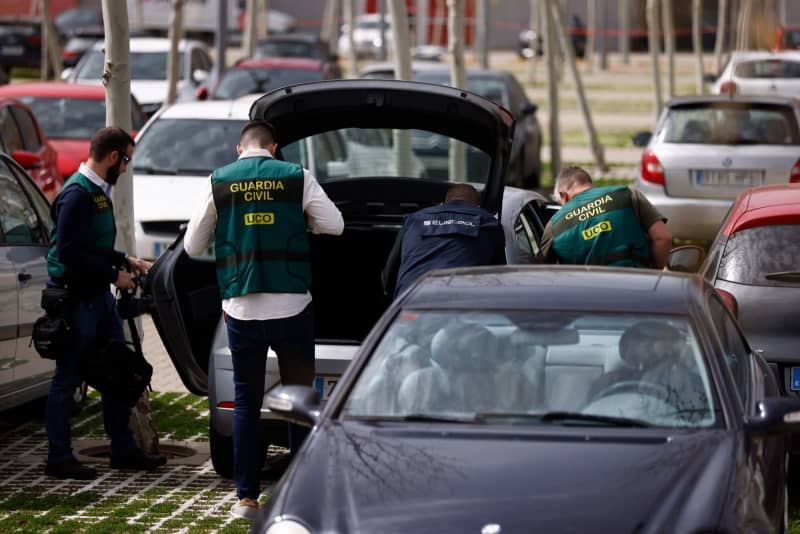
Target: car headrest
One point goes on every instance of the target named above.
(650, 342)
(464, 347)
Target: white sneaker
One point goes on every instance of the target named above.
(245, 509)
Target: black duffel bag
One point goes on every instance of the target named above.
(113, 368)
(52, 334)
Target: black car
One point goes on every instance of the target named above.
(543, 399)
(20, 43)
(529, 42)
(300, 45)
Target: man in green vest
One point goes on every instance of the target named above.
(82, 259)
(613, 226)
(257, 212)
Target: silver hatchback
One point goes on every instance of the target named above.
(707, 149)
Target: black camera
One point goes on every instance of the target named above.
(130, 306)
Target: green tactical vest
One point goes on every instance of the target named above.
(599, 227)
(260, 242)
(102, 230)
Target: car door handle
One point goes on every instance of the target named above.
(24, 277)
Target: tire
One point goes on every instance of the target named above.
(221, 452)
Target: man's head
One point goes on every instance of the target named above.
(110, 151)
(569, 182)
(257, 134)
(463, 193)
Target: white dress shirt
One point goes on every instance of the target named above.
(93, 177)
(323, 218)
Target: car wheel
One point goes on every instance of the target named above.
(79, 398)
(221, 452)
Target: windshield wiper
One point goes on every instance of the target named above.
(783, 275)
(153, 170)
(413, 418)
(562, 417)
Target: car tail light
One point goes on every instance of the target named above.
(728, 88)
(652, 171)
(730, 302)
(226, 405)
(70, 54)
(794, 175)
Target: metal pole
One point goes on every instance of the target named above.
(381, 24)
(221, 39)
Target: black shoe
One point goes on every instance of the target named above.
(138, 460)
(70, 469)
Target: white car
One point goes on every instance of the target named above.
(760, 73)
(149, 69)
(367, 36)
(175, 153)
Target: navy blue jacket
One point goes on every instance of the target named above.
(455, 234)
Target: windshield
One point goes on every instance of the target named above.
(239, 82)
(761, 255)
(68, 118)
(144, 65)
(368, 152)
(731, 123)
(492, 88)
(768, 68)
(187, 146)
(530, 367)
(286, 49)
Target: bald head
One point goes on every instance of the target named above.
(464, 193)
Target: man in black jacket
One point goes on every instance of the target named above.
(82, 259)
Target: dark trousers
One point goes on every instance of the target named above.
(91, 317)
(292, 339)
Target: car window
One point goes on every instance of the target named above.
(68, 118)
(733, 345)
(511, 367)
(239, 82)
(492, 87)
(768, 68)
(27, 127)
(37, 199)
(759, 256)
(144, 65)
(9, 130)
(19, 222)
(187, 146)
(730, 123)
(287, 49)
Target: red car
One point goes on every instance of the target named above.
(22, 138)
(260, 75)
(69, 114)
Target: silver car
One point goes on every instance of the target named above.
(751, 72)
(707, 149)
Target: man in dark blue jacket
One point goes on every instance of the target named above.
(456, 233)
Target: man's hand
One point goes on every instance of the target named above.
(660, 243)
(139, 267)
(124, 280)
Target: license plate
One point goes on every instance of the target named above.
(11, 50)
(324, 386)
(738, 178)
(795, 386)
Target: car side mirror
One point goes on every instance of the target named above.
(296, 404)
(686, 258)
(776, 415)
(27, 160)
(641, 139)
(199, 76)
(202, 93)
(528, 108)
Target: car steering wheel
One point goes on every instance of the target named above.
(652, 389)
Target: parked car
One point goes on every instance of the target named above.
(77, 45)
(148, 58)
(300, 45)
(754, 262)
(251, 76)
(68, 114)
(22, 138)
(188, 308)
(367, 36)
(502, 88)
(760, 73)
(707, 149)
(787, 37)
(20, 43)
(529, 41)
(76, 20)
(482, 393)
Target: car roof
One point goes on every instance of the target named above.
(295, 63)
(236, 109)
(557, 287)
(743, 99)
(763, 206)
(60, 89)
(747, 55)
(151, 44)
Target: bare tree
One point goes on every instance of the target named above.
(549, 42)
(330, 24)
(117, 81)
(458, 78)
(51, 51)
(697, 44)
(782, 18)
(350, 21)
(483, 32)
(534, 21)
(438, 27)
(625, 30)
(591, 34)
(173, 57)
(722, 23)
(668, 25)
(251, 21)
(743, 25)
(402, 71)
(653, 45)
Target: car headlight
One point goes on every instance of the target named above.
(287, 526)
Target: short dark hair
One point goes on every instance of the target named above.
(107, 140)
(259, 132)
(464, 193)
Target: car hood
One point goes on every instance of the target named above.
(312, 108)
(71, 153)
(166, 198)
(366, 478)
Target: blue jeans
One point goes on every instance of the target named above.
(91, 317)
(292, 339)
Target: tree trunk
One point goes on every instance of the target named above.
(591, 35)
(422, 22)
(265, 18)
(439, 25)
(653, 45)
(458, 78)
(625, 30)
(483, 32)
(350, 20)
(743, 25)
(668, 24)
(220, 40)
(697, 44)
(559, 30)
(782, 17)
(402, 71)
(117, 81)
(251, 20)
(382, 52)
(173, 57)
(719, 44)
(534, 21)
(51, 50)
(549, 43)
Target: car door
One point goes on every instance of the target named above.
(8, 313)
(26, 225)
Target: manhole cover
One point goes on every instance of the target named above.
(170, 451)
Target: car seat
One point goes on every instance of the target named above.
(696, 131)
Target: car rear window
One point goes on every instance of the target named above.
(731, 123)
(240, 82)
(144, 65)
(286, 49)
(763, 256)
(68, 118)
(768, 68)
